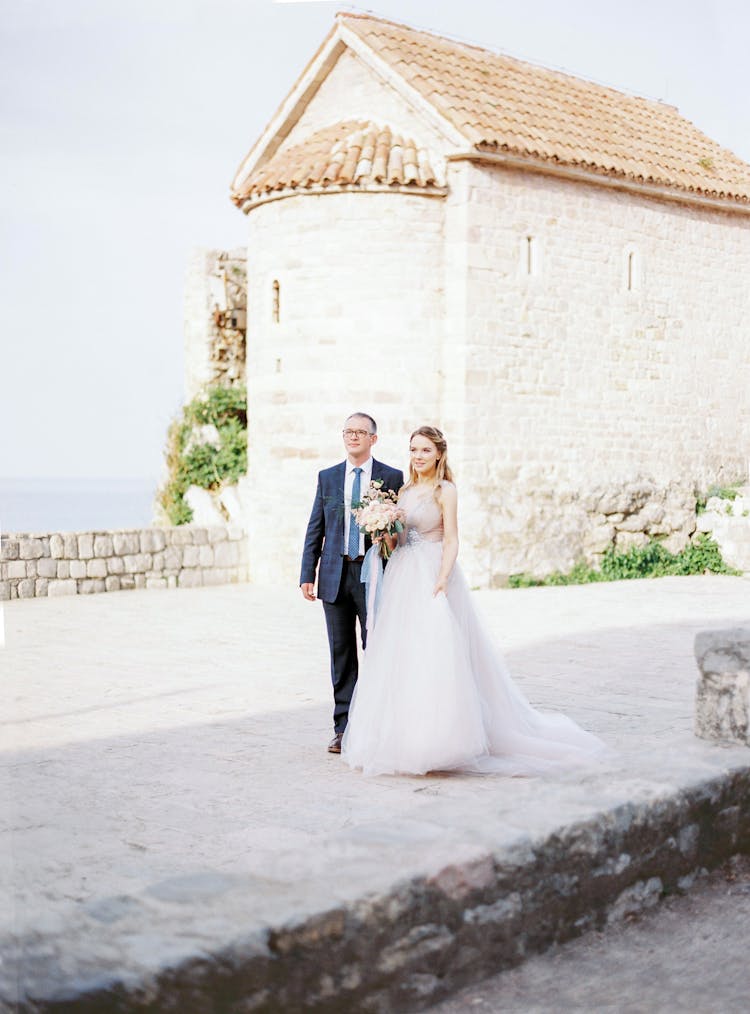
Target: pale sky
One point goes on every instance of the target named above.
(123, 124)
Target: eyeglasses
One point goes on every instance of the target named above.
(356, 434)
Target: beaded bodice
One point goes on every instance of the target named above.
(424, 518)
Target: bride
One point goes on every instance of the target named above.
(433, 692)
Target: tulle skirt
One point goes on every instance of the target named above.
(434, 694)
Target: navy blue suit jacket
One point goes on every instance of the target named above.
(324, 540)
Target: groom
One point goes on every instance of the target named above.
(334, 540)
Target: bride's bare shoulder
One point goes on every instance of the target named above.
(447, 488)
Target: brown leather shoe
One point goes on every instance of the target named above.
(335, 745)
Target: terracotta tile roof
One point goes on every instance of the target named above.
(500, 104)
(352, 153)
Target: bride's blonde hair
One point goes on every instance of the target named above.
(442, 471)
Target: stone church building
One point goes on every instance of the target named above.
(555, 273)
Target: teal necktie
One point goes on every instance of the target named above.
(353, 548)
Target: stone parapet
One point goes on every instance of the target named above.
(34, 565)
(722, 702)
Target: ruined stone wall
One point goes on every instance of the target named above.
(215, 324)
(606, 361)
(81, 563)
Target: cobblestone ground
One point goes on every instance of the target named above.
(688, 955)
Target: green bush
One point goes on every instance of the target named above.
(700, 556)
(203, 464)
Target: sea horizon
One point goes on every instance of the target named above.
(41, 504)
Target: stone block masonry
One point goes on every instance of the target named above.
(83, 563)
(722, 700)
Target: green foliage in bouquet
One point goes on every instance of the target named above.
(700, 556)
(208, 465)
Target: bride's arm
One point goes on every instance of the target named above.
(449, 506)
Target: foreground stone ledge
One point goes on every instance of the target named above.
(84, 563)
(722, 703)
(398, 949)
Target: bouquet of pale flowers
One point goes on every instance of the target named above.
(378, 514)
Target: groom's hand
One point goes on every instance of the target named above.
(308, 591)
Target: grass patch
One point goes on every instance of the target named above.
(701, 556)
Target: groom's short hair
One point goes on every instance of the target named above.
(364, 415)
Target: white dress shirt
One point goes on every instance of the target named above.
(364, 482)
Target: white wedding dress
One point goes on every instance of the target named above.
(433, 693)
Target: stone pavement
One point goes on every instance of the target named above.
(176, 837)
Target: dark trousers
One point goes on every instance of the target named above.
(341, 621)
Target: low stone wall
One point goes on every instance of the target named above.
(82, 563)
(540, 529)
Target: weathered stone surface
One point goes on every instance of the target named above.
(226, 554)
(675, 542)
(632, 523)
(40, 587)
(96, 568)
(30, 549)
(57, 546)
(115, 565)
(722, 705)
(599, 539)
(4, 591)
(152, 540)
(56, 588)
(47, 567)
(85, 546)
(189, 579)
(16, 568)
(70, 545)
(217, 575)
(126, 543)
(112, 583)
(63, 569)
(127, 582)
(206, 556)
(78, 568)
(635, 899)
(626, 540)
(172, 558)
(103, 545)
(9, 548)
(180, 536)
(155, 582)
(137, 563)
(190, 556)
(26, 588)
